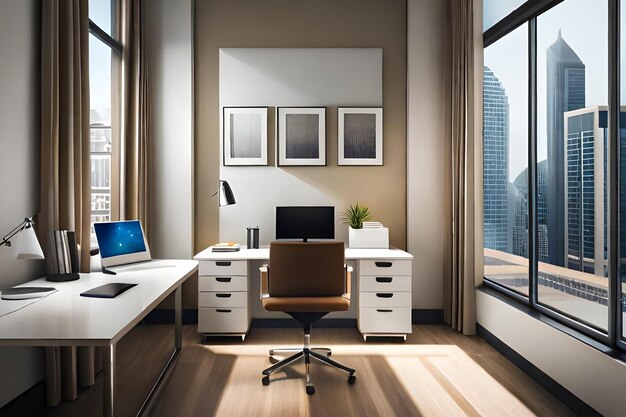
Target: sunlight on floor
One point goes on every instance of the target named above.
(439, 380)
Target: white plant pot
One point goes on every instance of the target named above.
(368, 238)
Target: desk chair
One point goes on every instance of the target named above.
(306, 281)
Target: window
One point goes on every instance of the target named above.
(505, 161)
(572, 134)
(104, 67)
(552, 247)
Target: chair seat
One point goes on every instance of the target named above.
(306, 304)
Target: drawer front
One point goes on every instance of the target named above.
(385, 267)
(384, 283)
(385, 320)
(223, 320)
(385, 299)
(225, 268)
(223, 299)
(223, 283)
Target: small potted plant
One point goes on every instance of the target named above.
(360, 238)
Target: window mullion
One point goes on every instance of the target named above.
(614, 298)
(533, 251)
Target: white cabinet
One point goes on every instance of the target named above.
(384, 297)
(223, 302)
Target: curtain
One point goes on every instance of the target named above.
(463, 162)
(65, 163)
(136, 110)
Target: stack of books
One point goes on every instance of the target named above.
(372, 225)
(64, 251)
(226, 247)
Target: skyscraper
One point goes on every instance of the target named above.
(565, 92)
(496, 163)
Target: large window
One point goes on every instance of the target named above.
(104, 67)
(505, 160)
(550, 242)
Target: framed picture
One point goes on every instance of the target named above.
(245, 135)
(301, 136)
(360, 136)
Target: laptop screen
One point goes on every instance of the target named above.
(119, 238)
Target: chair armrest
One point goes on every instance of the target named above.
(348, 284)
(265, 278)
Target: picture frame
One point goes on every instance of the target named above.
(244, 136)
(301, 136)
(360, 136)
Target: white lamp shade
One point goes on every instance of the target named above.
(26, 245)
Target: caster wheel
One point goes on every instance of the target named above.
(351, 379)
(266, 380)
(310, 389)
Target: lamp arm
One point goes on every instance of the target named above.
(6, 239)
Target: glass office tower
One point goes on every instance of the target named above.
(497, 225)
(565, 92)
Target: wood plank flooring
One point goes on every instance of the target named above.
(436, 372)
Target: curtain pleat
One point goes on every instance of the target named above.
(65, 163)
(135, 133)
(462, 109)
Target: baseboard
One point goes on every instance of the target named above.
(553, 387)
(425, 316)
(30, 403)
(190, 316)
(290, 323)
(166, 316)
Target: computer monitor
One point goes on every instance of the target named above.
(308, 222)
(121, 243)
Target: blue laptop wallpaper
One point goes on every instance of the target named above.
(119, 238)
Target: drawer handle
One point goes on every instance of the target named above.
(384, 279)
(223, 295)
(384, 294)
(384, 311)
(219, 310)
(223, 263)
(223, 279)
(381, 264)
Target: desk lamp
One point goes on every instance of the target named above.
(26, 247)
(226, 194)
(26, 243)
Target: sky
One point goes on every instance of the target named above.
(584, 26)
(100, 57)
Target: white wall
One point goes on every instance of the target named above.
(592, 376)
(20, 23)
(292, 77)
(425, 151)
(170, 74)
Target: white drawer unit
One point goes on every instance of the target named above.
(223, 302)
(384, 297)
(228, 321)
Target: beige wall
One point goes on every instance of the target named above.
(20, 27)
(425, 151)
(305, 24)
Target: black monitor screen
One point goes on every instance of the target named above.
(305, 223)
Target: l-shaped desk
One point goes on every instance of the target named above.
(381, 290)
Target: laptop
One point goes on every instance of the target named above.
(124, 248)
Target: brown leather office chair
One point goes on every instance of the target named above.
(306, 281)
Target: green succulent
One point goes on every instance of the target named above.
(355, 215)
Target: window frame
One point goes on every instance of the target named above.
(528, 13)
(117, 51)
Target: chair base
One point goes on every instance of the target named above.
(306, 353)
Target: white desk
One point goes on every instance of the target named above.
(381, 283)
(67, 319)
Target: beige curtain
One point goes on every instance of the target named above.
(65, 163)
(463, 126)
(136, 110)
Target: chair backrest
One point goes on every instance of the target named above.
(314, 269)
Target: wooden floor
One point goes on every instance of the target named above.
(436, 372)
